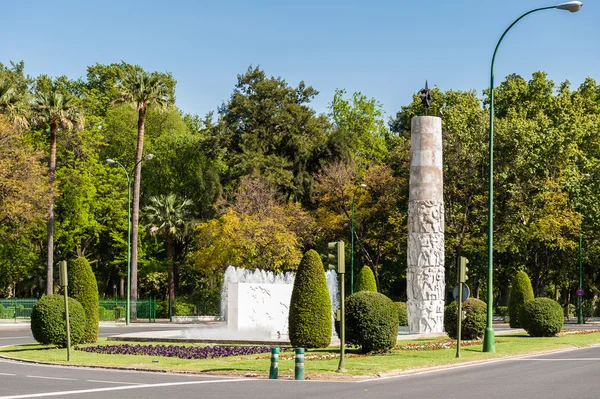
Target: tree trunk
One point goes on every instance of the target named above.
(171, 274)
(50, 264)
(136, 208)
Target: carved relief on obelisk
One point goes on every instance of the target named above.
(425, 274)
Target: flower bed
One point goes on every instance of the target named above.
(576, 332)
(182, 352)
(435, 345)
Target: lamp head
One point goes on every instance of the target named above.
(571, 6)
(110, 161)
(363, 185)
(587, 176)
(149, 157)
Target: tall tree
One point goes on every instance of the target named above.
(141, 89)
(168, 216)
(269, 130)
(12, 104)
(55, 111)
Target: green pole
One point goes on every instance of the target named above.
(488, 339)
(579, 298)
(341, 368)
(299, 369)
(352, 239)
(68, 326)
(352, 247)
(128, 301)
(459, 316)
(274, 370)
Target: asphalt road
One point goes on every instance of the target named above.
(560, 375)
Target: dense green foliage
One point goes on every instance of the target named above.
(520, 292)
(472, 326)
(371, 321)
(402, 314)
(542, 317)
(82, 286)
(310, 307)
(365, 281)
(270, 178)
(48, 324)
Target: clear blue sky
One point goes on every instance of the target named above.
(384, 49)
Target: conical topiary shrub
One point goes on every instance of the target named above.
(310, 306)
(520, 292)
(84, 288)
(365, 280)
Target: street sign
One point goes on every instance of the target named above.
(465, 292)
(580, 292)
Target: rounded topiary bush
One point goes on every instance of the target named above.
(48, 321)
(520, 292)
(84, 288)
(371, 321)
(542, 317)
(309, 320)
(365, 281)
(473, 325)
(402, 313)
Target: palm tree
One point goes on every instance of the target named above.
(140, 89)
(12, 104)
(169, 217)
(56, 111)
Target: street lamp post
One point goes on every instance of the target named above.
(488, 340)
(129, 181)
(579, 297)
(352, 240)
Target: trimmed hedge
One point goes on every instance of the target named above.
(402, 313)
(542, 317)
(473, 325)
(520, 292)
(309, 320)
(48, 323)
(84, 288)
(365, 281)
(371, 321)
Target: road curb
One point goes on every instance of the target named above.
(334, 378)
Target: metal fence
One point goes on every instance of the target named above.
(115, 309)
(16, 308)
(109, 310)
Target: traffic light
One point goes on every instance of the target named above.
(463, 269)
(336, 256)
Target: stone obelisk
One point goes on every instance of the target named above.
(425, 275)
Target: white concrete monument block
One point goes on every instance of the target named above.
(425, 274)
(259, 307)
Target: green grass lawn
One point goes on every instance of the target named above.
(356, 364)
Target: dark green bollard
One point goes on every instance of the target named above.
(299, 370)
(274, 370)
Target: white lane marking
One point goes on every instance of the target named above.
(51, 378)
(81, 391)
(117, 382)
(14, 337)
(6, 374)
(450, 367)
(593, 359)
